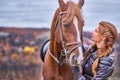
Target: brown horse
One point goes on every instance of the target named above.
(65, 41)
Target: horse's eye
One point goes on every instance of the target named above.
(66, 26)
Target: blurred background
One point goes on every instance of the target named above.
(25, 25)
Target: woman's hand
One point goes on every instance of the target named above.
(80, 69)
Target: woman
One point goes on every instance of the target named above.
(98, 63)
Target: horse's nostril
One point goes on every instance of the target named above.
(74, 59)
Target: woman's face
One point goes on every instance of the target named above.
(95, 35)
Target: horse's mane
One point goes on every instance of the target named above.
(72, 11)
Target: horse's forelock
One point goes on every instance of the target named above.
(73, 10)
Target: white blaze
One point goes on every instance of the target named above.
(80, 57)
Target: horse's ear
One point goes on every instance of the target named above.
(80, 3)
(62, 4)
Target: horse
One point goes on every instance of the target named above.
(65, 42)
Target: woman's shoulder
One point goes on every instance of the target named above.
(108, 60)
(109, 57)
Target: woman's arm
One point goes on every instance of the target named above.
(86, 44)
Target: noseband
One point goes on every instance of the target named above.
(65, 53)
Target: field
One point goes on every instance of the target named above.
(20, 53)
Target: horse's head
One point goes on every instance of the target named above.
(68, 27)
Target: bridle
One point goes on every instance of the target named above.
(64, 52)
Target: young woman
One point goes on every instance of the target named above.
(98, 63)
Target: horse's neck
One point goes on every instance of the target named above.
(55, 48)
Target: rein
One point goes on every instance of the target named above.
(65, 52)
